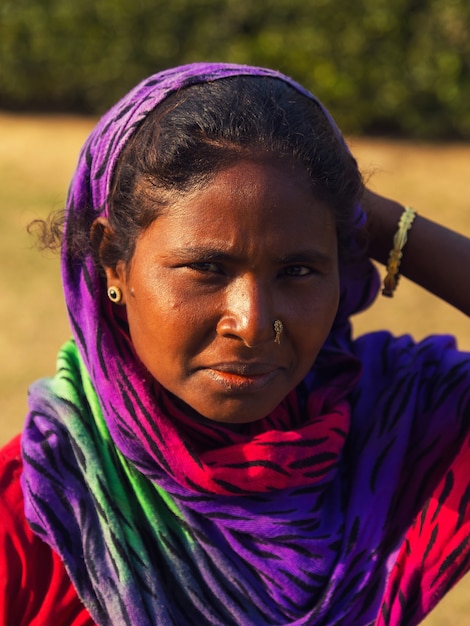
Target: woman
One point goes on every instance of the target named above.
(215, 448)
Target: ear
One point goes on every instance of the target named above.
(101, 235)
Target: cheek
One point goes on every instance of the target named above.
(320, 304)
(155, 320)
(313, 320)
(157, 339)
(164, 328)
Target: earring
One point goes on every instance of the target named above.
(115, 295)
(278, 328)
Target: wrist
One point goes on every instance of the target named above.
(383, 216)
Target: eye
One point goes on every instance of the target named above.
(297, 270)
(205, 267)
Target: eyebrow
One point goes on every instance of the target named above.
(211, 254)
(217, 254)
(306, 257)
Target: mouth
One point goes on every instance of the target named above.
(243, 376)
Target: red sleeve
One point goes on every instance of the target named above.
(34, 586)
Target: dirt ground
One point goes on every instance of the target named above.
(37, 157)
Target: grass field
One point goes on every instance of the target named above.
(37, 157)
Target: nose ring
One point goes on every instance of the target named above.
(278, 328)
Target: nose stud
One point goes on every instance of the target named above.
(278, 328)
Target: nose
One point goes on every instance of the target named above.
(248, 313)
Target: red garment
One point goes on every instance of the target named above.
(35, 589)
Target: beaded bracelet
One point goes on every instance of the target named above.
(394, 260)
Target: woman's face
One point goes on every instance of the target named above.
(211, 275)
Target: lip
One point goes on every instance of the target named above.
(242, 376)
(244, 368)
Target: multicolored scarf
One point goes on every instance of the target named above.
(162, 519)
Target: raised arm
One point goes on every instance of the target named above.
(434, 257)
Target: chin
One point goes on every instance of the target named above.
(244, 414)
(229, 406)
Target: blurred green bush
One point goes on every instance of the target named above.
(385, 67)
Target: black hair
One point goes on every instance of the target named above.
(197, 131)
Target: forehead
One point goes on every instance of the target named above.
(251, 205)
